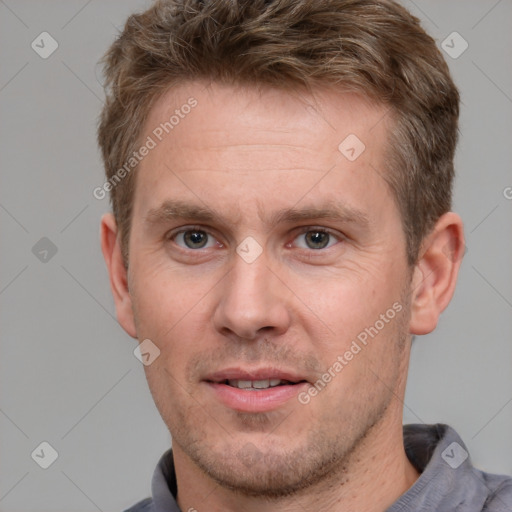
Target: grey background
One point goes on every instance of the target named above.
(67, 369)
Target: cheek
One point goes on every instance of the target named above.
(164, 299)
(366, 366)
(347, 303)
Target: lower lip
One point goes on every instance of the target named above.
(262, 400)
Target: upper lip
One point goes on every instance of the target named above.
(254, 374)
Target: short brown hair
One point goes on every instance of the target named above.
(373, 47)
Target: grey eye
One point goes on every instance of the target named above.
(194, 239)
(315, 239)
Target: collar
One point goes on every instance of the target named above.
(447, 478)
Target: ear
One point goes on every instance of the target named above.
(111, 249)
(435, 273)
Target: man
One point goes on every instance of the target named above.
(280, 174)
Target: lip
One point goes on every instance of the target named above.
(254, 374)
(262, 400)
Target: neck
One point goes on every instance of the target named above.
(373, 478)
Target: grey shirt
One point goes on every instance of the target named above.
(448, 481)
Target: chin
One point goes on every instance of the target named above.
(270, 472)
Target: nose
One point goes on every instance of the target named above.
(252, 301)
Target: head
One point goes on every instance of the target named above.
(289, 218)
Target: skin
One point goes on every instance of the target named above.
(245, 154)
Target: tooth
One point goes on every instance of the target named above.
(260, 384)
(255, 384)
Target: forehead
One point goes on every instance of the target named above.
(263, 113)
(251, 143)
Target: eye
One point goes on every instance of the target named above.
(316, 239)
(193, 239)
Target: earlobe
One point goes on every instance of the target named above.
(435, 274)
(111, 249)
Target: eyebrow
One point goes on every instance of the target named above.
(171, 210)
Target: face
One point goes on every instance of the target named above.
(269, 268)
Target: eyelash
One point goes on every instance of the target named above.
(304, 230)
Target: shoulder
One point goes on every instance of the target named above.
(145, 505)
(497, 489)
(500, 492)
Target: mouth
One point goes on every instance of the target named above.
(259, 390)
(257, 385)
